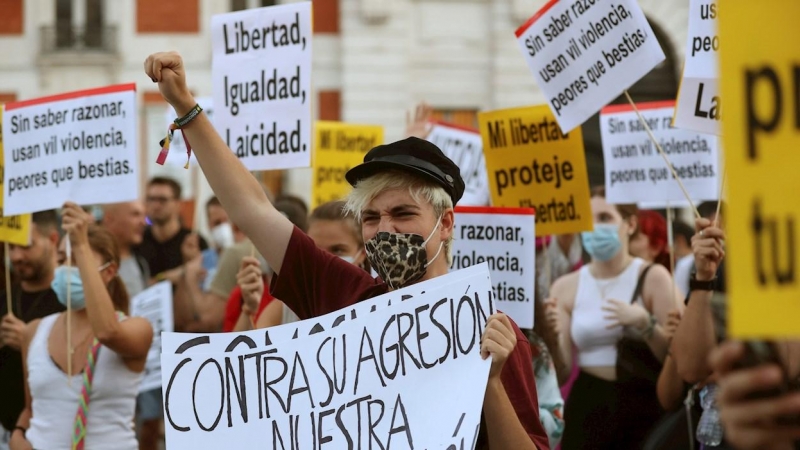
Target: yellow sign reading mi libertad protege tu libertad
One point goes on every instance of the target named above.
(761, 136)
(531, 163)
(338, 147)
(13, 229)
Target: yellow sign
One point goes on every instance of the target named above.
(761, 137)
(338, 147)
(13, 229)
(530, 163)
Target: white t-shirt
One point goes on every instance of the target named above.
(683, 271)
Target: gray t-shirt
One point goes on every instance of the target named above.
(131, 275)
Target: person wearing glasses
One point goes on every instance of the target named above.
(167, 246)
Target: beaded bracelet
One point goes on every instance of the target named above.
(178, 124)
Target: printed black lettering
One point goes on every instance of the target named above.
(221, 395)
(294, 390)
(241, 394)
(269, 383)
(365, 337)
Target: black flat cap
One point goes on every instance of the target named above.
(415, 156)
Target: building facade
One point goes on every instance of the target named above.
(372, 61)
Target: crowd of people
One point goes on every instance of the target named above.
(628, 348)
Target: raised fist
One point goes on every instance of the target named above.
(166, 69)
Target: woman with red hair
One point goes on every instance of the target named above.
(649, 242)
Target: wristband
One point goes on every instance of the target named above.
(178, 124)
(24, 430)
(183, 121)
(697, 285)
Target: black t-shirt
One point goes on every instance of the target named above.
(163, 256)
(27, 306)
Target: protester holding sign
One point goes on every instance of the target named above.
(107, 354)
(31, 299)
(404, 195)
(613, 311)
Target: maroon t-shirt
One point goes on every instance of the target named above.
(314, 282)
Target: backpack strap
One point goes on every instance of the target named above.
(640, 284)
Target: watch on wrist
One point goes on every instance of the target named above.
(697, 285)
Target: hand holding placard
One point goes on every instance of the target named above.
(707, 249)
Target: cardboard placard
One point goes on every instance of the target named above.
(636, 172)
(761, 133)
(337, 148)
(584, 54)
(532, 164)
(79, 146)
(261, 81)
(698, 98)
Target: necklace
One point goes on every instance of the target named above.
(606, 284)
(71, 349)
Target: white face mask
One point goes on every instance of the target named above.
(222, 235)
(351, 259)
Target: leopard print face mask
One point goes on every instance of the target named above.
(400, 258)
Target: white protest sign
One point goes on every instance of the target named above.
(636, 172)
(698, 98)
(367, 380)
(265, 338)
(583, 54)
(79, 146)
(504, 239)
(261, 75)
(155, 305)
(177, 147)
(465, 147)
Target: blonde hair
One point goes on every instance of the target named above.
(420, 190)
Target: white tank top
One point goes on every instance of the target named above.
(109, 423)
(597, 345)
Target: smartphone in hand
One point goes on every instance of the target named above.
(766, 352)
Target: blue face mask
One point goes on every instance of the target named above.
(602, 243)
(60, 285)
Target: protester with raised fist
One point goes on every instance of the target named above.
(404, 194)
(82, 380)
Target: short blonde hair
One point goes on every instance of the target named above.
(420, 190)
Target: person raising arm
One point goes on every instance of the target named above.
(238, 191)
(404, 194)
